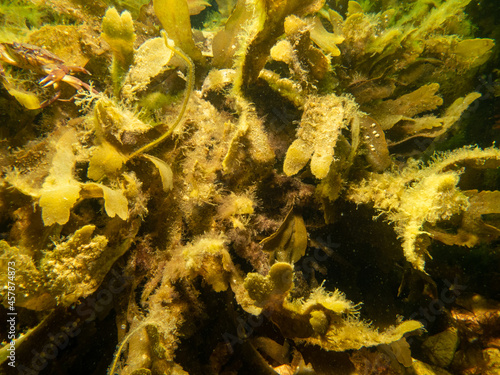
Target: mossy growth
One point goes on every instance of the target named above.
(208, 256)
(420, 195)
(73, 269)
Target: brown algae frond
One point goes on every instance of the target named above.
(283, 211)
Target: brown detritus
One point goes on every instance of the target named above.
(477, 318)
(245, 246)
(368, 361)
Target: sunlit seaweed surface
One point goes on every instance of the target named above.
(250, 186)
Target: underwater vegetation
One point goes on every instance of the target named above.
(249, 187)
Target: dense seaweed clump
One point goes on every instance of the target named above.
(250, 187)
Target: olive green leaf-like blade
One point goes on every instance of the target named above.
(289, 242)
(174, 17)
(167, 177)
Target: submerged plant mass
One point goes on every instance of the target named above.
(250, 186)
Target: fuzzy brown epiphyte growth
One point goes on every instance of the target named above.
(245, 246)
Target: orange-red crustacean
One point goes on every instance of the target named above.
(39, 60)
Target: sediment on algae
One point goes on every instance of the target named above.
(276, 185)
